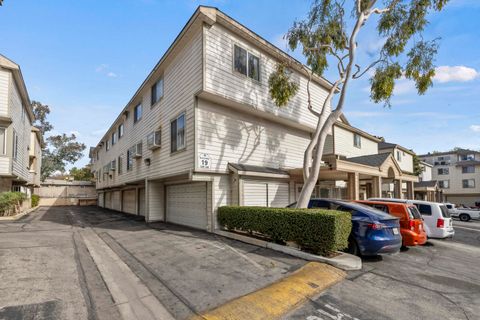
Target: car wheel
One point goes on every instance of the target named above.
(353, 247)
(464, 217)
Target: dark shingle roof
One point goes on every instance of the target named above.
(247, 167)
(373, 160)
(426, 184)
(387, 145)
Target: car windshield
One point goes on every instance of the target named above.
(445, 212)
(414, 213)
(361, 208)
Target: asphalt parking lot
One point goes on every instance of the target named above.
(438, 281)
(87, 262)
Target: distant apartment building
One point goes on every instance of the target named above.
(202, 131)
(20, 151)
(457, 173)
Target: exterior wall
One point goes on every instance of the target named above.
(222, 80)
(66, 191)
(426, 174)
(226, 135)
(182, 79)
(4, 85)
(344, 146)
(455, 175)
(405, 161)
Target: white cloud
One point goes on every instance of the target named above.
(101, 67)
(404, 86)
(111, 74)
(373, 47)
(475, 128)
(445, 74)
(104, 69)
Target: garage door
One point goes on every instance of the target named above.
(116, 200)
(101, 199)
(141, 201)
(187, 204)
(129, 204)
(265, 193)
(108, 200)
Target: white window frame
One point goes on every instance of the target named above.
(4, 151)
(468, 187)
(443, 172)
(249, 53)
(179, 146)
(442, 184)
(121, 130)
(355, 144)
(135, 118)
(154, 87)
(114, 138)
(15, 146)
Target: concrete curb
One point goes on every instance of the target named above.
(281, 297)
(343, 261)
(18, 216)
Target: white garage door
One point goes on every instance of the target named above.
(129, 204)
(187, 204)
(141, 201)
(101, 199)
(116, 200)
(108, 200)
(265, 193)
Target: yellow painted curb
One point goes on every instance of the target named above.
(281, 297)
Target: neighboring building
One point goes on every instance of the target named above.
(54, 192)
(20, 153)
(427, 189)
(202, 132)
(458, 175)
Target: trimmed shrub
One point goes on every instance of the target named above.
(318, 230)
(35, 200)
(10, 201)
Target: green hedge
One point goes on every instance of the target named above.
(317, 230)
(9, 201)
(35, 200)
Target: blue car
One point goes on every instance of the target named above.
(373, 231)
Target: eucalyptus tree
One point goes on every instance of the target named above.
(329, 33)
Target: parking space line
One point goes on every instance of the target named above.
(472, 229)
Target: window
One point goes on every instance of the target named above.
(114, 138)
(468, 183)
(15, 145)
(177, 131)
(444, 184)
(157, 91)
(357, 140)
(399, 155)
(120, 131)
(443, 171)
(119, 163)
(137, 113)
(425, 209)
(3, 141)
(468, 169)
(107, 145)
(466, 157)
(129, 159)
(246, 63)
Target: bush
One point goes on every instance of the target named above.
(9, 201)
(35, 200)
(317, 230)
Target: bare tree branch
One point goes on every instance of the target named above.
(356, 75)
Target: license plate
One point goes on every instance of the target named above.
(395, 231)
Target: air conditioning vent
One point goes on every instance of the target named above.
(137, 150)
(154, 140)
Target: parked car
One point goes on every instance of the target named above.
(436, 218)
(464, 214)
(411, 221)
(373, 231)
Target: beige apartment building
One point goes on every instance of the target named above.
(457, 173)
(20, 151)
(202, 132)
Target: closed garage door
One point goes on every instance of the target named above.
(129, 204)
(116, 200)
(101, 199)
(108, 200)
(187, 204)
(141, 201)
(265, 193)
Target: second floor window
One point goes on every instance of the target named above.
(137, 113)
(468, 183)
(157, 91)
(399, 155)
(120, 131)
(443, 171)
(129, 159)
(466, 157)
(444, 184)
(246, 63)
(3, 142)
(15, 145)
(357, 140)
(114, 138)
(107, 145)
(119, 164)
(177, 131)
(468, 169)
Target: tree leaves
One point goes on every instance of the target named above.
(281, 87)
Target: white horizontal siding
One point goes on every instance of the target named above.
(227, 136)
(4, 83)
(344, 146)
(221, 79)
(4, 165)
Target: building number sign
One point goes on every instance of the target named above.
(204, 160)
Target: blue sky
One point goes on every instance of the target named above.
(86, 59)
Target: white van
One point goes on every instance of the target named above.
(436, 218)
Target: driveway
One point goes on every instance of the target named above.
(438, 281)
(88, 262)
